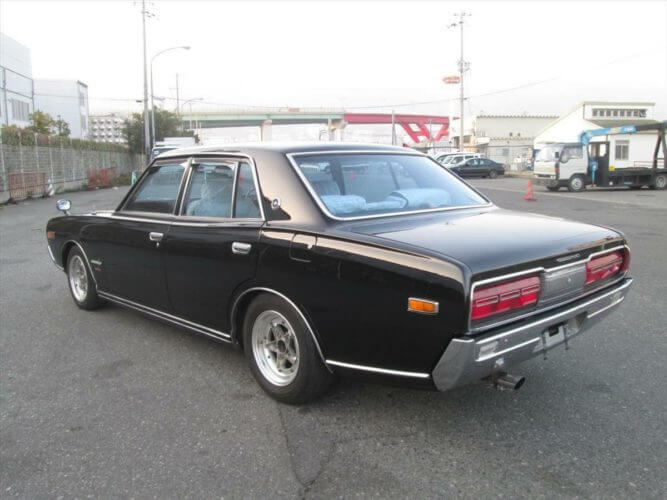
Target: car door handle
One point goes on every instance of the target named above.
(156, 237)
(241, 248)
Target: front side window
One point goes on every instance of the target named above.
(358, 185)
(158, 191)
(571, 152)
(211, 190)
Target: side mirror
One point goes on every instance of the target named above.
(64, 206)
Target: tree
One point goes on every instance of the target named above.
(41, 123)
(61, 128)
(166, 125)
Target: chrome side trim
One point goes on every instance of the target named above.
(373, 369)
(325, 210)
(290, 302)
(535, 270)
(166, 316)
(85, 256)
(48, 247)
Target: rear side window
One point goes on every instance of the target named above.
(247, 200)
(211, 190)
(158, 191)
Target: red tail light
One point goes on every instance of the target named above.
(498, 298)
(606, 266)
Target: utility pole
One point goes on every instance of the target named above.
(463, 67)
(147, 134)
(393, 128)
(178, 105)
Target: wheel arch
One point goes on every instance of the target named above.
(244, 299)
(67, 248)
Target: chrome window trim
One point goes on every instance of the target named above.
(211, 332)
(219, 222)
(291, 303)
(234, 165)
(383, 371)
(325, 210)
(535, 270)
(115, 215)
(217, 156)
(157, 163)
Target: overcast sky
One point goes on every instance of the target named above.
(353, 54)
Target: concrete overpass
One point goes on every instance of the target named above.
(418, 127)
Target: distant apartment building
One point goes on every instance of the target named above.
(508, 139)
(17, 91)
(107, 128)
(66, 100)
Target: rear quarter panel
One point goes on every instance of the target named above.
(355, 296)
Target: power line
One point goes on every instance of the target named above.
(375, 106)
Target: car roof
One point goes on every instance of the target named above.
(285, 148)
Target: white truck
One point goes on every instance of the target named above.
(170, 143)
(577, 165)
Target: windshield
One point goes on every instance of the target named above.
(358, 185)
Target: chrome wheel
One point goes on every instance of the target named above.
(78, 278)
(661, 182)
(275, 348)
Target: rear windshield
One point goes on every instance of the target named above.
(357, 185)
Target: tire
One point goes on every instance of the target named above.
(553, 188)
(576, 184)
(291, 369)
(660, 181)
(493, 174)
(80, 281)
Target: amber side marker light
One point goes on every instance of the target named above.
(422, 306)
(50, 235)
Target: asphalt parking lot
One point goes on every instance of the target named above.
(114, 404)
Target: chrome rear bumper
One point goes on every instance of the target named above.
(469, 359)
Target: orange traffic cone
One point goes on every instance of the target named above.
(529, 196)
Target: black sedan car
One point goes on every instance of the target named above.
(478, 167)
(327, 259)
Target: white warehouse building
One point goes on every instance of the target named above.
(16, 83)
(65, 99)
(628, 150)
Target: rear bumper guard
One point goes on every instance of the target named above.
(469, 359)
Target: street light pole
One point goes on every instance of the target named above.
(147, 139)
(189, 101)
(184, 47)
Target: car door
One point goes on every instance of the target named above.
(485, 166)
(212, 245)
(131, 256)
(467, 168)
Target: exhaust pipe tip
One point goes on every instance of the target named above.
(506, 381)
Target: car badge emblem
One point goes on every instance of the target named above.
(568, 257)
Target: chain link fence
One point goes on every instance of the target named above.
(43, 166)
